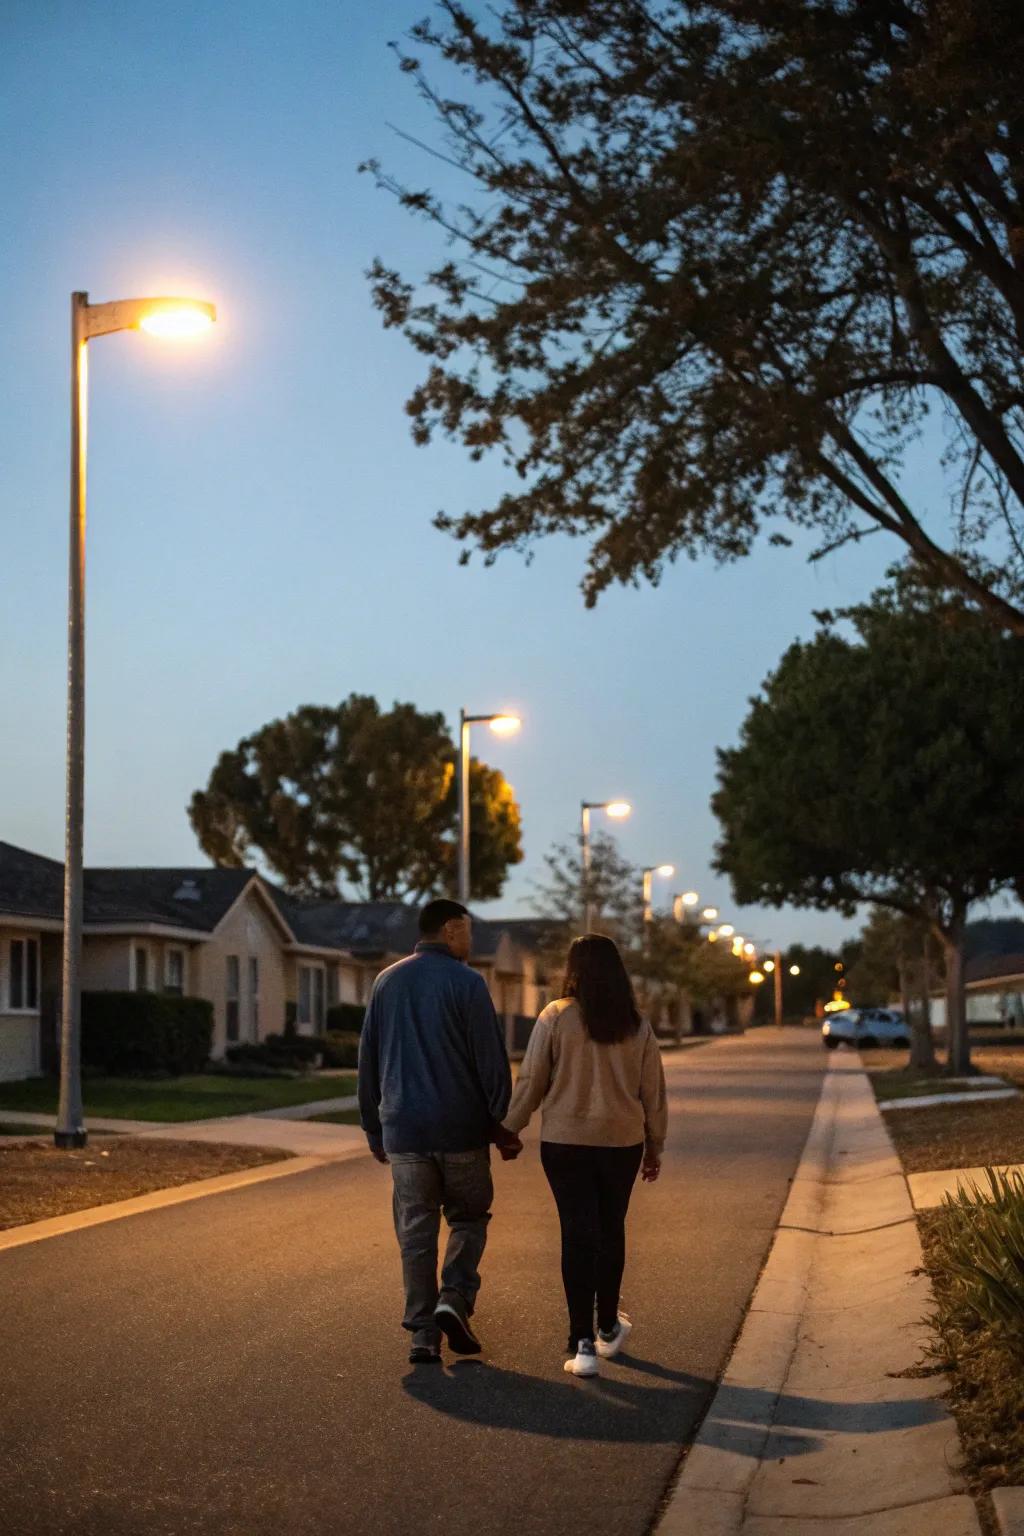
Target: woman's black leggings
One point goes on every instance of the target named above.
(591, 1186)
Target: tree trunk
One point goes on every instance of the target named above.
(958, 1059)
(922, 1043)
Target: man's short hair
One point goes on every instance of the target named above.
(436, 913)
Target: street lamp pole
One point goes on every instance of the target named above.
(778, 989)
(163, 317)
(501, 725)
(616, 808)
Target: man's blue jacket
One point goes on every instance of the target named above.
(433, 1069)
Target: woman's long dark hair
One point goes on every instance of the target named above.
(596, 977)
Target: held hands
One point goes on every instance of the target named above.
(507, 1143)
(650, 1167)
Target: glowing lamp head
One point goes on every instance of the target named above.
(175, 319)
(727, 930)
(794, 970)
(749, 949)
(690, 898)
(505, 725)
(710, 913)
(769, 966)
(755, 978)
(665, 870)
(713, 936)
(618, 808)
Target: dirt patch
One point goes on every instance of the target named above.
(986, 1377)
(37, 1180)
(959, 1135)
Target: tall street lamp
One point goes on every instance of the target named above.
(501, 725)
(615, 808)
(683, 903)
(666, 871)
(164, 317)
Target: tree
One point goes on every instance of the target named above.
(613, 889)
(716, 264)
(895, 955)
(886, 766)
(357, 795)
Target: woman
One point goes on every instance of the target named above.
(594, 1066)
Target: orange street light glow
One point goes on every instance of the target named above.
(769, 965)
(713, 937)
(755, 978)
(505, 725)
(750, 949)
(174, 319)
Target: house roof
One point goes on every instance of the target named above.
(370, 928)
(984, 968)
(33, 886)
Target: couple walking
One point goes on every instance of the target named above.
(435, 1091)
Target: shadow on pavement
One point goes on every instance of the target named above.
(614, 1407)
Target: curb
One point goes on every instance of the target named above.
(816, 1424)
(157, 1199)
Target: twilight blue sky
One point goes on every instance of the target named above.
(259, 519)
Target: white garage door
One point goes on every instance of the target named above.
(19, 1048)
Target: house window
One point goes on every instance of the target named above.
(233, 984)
(140, 968)
(311, 997)
(254, 997)
(174, 972)
(23, 979)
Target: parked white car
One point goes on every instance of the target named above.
(866, 1027)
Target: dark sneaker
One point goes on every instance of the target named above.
(452, 1317)
(584, 1362)
(425, 1354)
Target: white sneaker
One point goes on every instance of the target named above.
(608, 1346)
(584, 1362)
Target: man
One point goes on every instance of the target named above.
(434, 1086)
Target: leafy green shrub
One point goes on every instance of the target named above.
(136, 1032)
(285, 1051)
(982, 1238)
(341, 1048)
(345, 1018)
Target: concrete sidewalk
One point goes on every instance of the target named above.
(817, 1424)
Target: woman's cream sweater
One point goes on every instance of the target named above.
(592, 1095)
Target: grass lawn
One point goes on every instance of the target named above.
(339, 1117)
(202, 1097)
(38, 1181)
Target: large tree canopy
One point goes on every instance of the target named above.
(885, 767)
(716, 262)
(353, 795)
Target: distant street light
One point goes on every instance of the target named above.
(501, 725)
(709, 914)
(666, 871)
(794, 970)
(618, 809)
(164, 317)
(727, 930)
(755, 978)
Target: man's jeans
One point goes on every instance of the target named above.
(427, 1183)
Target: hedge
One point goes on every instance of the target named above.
(341, 1048)
(126, 1032)
(345, 1018)
(289, 1052)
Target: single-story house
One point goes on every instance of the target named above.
(994, 987)
(224, 934)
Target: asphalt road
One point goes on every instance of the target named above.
(234, 1367)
